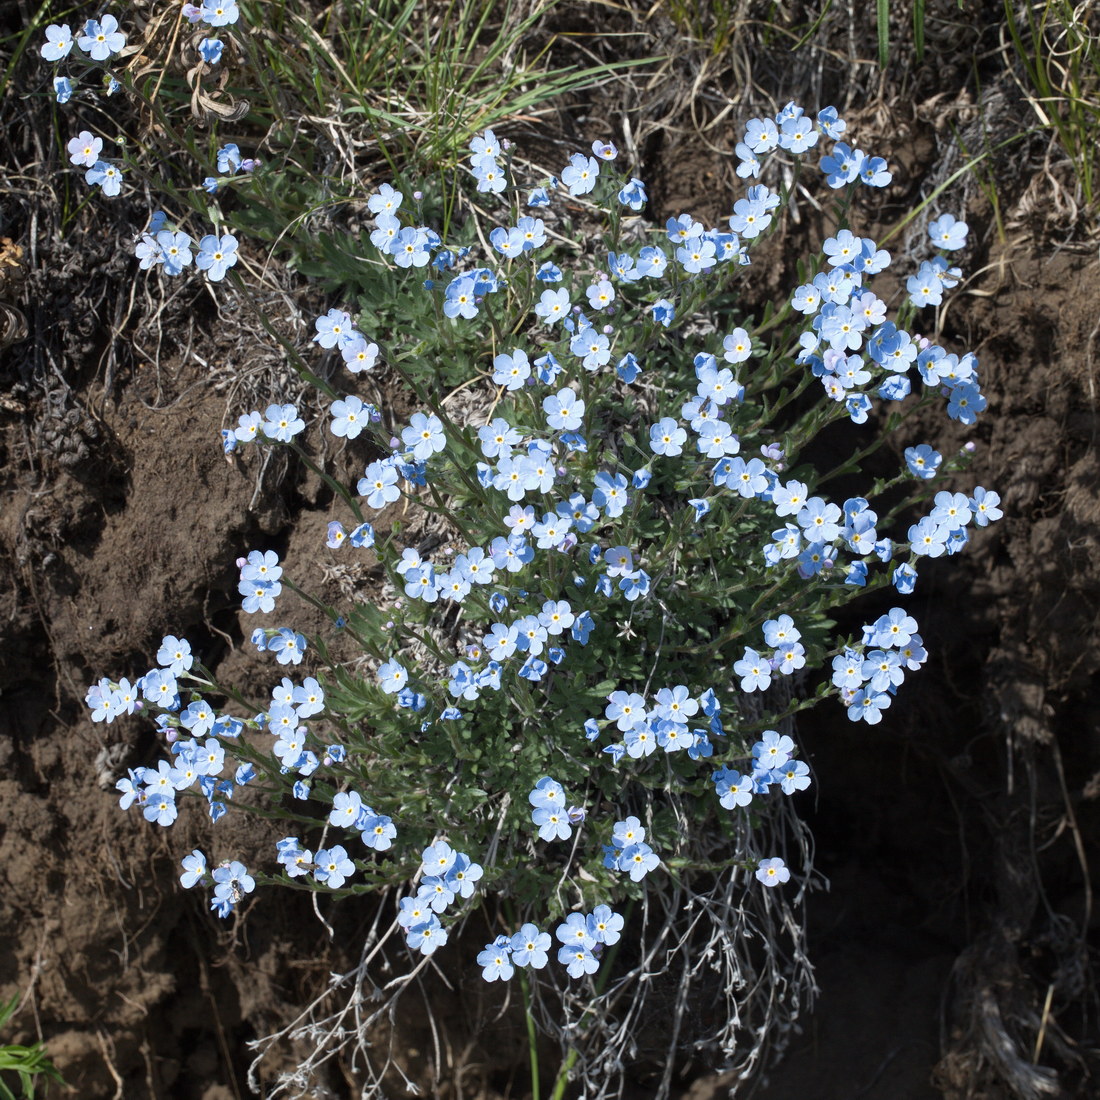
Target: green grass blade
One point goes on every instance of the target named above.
(882, 20)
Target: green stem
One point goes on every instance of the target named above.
(532, 1036)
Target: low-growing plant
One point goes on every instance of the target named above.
(570, 710)
(25, 1063)
(1058, 44)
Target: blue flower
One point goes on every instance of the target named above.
(496, 962)
(463, 876)
(750, 218)
(175, 655)
(59, 41)
(547, 792)
(633, 194)
(288, 644)
(334, 867)
(652, 262)
(427, 937)
(928, 538)
(194, 869)
(578, 961)
(174, 250)
(84, 149)
(490, 176)
(335, 535)
(553, 822)
(867, 705)
(529, 947)
(335, 329)
(379, 484)
(435, 890)
(282, 422)
(773, 872)
(609, 494)
(604, 926)
(965, 402)
(553, 305)
(219, 13)
(508, 242)
(580, 174)
(842, 166)
(564, 410)
(733, 789)
(754, 670)
(107, 176)
(663, 312)
(640, 740)
(259, 595)
(216, 255)
(460, 298)
(210, 49)
(100, 38)
(923, 462)
(574, 932)
(749, 163)
(437, 859)
(856, 574)
(159, 686)
(667, 438)
(925, 288)
(601, 294)
(638, 859)
(511, 371)
(761, 135)
(385, 200)
(773, 749)
(392, 677)
(424, 436)
(697, 254)
(233, 882)
(984, 505)
(358, 355)
(948, 233)
(377, 830)
(410, 248)
(627, 832)
(582, 627)
(361, 536)
(874, 173)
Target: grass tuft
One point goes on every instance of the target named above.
(1058, 45)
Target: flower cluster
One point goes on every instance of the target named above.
(259, 583)
(445, 876)
(664, 725)
(231, 881)
(100, 40)
(170, 249)
(628, 534)
(773, 764)
(628, 851)
(868, 675)
(549, 812)
(198, 761)
(583, 938)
